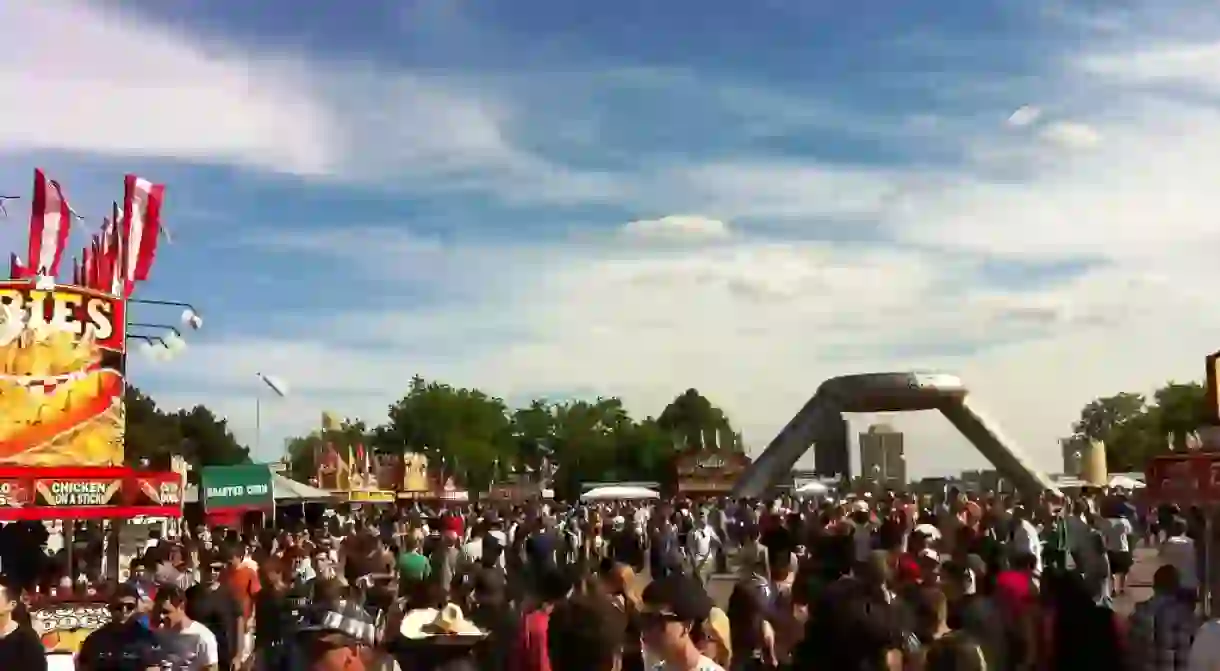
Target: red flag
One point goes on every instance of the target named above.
(77, 280)
(141, 224)
(50, 221)
(16, 270)
(91, 261)
(111, 256)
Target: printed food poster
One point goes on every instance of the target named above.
(61, 381)
(64, 627)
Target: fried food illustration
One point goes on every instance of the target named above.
(57, 406)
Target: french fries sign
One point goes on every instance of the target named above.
(61, 380)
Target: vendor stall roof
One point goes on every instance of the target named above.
(285, 490)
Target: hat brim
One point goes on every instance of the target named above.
(419, 625)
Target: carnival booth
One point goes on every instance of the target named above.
(707, 473)
(62, 421)
(62, 352)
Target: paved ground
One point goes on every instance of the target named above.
(1139, 582)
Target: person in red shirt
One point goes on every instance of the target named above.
(242, 582)
(531, 653)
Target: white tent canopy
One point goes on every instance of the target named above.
(814, 488)
(1124, 482)
(619, 493)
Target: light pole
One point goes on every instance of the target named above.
(275, 385)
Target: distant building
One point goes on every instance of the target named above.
(987, 480)
(883, 461)
(832, 450)
(1073, 450)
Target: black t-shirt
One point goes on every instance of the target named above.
(978, 616)
(275, 615)
(120, 647)
(217, 610)
(540, 548)
(22, 650)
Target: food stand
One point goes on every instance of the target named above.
(230, 492)
(62, 424)
(1192, 479)
(703, 473)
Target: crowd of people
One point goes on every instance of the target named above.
(961, 583)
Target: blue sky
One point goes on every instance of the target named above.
(555, 198)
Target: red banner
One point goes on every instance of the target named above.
(1187, 479)
(87, 493)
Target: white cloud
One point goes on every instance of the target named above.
(1070, 134)
(757, 324)
(111, 83)
(80, 77)
(678, 228)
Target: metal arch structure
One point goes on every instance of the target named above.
(888, 392)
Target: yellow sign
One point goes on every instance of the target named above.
(330, 421)
(415, 473)
(370, 496)
(61, 380)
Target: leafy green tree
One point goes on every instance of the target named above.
(533, 428)
(695, 423)
(1135, 430)
(150, 436)
(584, 442)
(465, 431)
(476, 438)
(302, 454)
(1180, 410)
(153, 436)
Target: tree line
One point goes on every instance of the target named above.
(1136, 427)
(477, 438)
(154, 435)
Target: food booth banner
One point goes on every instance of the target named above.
(1191, 478)
(371, 496)
(707, 471)
(87, 493)
(61, 379)
(237, 488)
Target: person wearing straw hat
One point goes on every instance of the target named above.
(448, 621)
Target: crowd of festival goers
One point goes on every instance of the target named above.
(962, 583)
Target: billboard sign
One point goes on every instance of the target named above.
(61, 380)
(245, 487)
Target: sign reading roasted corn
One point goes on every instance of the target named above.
(61, 380)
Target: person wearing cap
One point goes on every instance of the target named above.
(673, 607)
(122, 643)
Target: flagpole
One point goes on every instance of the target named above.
(258, 423)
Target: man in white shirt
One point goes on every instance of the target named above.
(1118, 532)
(702, 543)
(189, 645)
(1178, 550)
(1025, 537)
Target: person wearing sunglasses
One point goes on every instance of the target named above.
(123, 644)
(673, 611)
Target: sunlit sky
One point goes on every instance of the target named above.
(559, 199)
